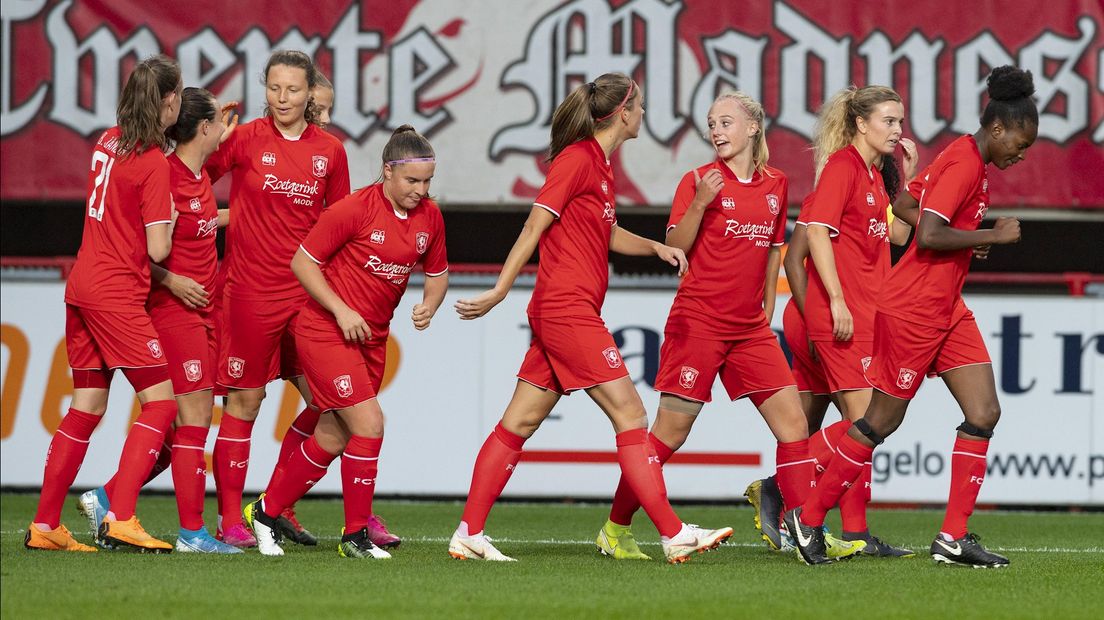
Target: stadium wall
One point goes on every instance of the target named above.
(446, 387)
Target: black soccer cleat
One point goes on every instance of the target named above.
(808, 540)
(767, 500)
(876, 547)
(966, 551)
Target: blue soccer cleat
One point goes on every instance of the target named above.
(199, 541)
(94, 505)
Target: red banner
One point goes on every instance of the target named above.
(482, 82)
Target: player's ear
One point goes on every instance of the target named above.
(387, 172)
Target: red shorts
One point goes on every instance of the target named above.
(255, 341)
(844, 363)
(688, 366)
(571, 353)
(807, 371)
(905, 351)
(101, 339)
(190, 347)
(340, 373)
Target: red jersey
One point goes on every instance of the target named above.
(125, 196)
(955, 187)
(573, 274)
(721, 296)
(851, 201)
(193, 244)
(278, 189)
(369, 251)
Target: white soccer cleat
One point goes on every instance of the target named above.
(476, 547)
(264, 529)
(692, 539)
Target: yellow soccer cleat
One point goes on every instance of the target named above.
(617, 541)
(58, 539)
(130, 534)
(839, 549)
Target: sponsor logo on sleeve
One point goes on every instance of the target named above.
(236, 367)
(688, 376)
(344, 385)
(320, 165)
(613, 357)
(905, 378)
(421, 242)
(193, 370)
(155, 348)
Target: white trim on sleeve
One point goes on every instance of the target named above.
(547, 208)
(439, 273)
(945, 218)
(158, 222)
(309, 254)
(671, 227)
(831, 229)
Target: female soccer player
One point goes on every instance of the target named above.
(369, 244)
(284, 171)
(575, 223)
(129, 222)
(848, 233)
(945, 339)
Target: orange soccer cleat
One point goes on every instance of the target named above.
(130, 533)
(59, 539)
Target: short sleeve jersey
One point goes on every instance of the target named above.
(721, 296)
(369, 250)
(278, 189)
(851, 201)
(955, 188)
(573, 274)
(126, 194)
(193, 243)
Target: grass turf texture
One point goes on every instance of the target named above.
(1057, 570)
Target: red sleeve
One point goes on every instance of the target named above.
(915, 188)
(157, 201)
(336, 226)
(337, 185)
(684, 195)
(435, 261)
(949, 190)
(780, 221)
(837, 184)
(562, 183)
(222, 160)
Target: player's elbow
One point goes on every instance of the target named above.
(158, 250)
(926, 239)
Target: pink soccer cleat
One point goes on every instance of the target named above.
(377, 532)
(237, 535)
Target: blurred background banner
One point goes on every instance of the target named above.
(481, 79)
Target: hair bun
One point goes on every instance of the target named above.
(403, 129)
(1008, 83)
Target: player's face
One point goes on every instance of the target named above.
(882, 129)
(323, 100)
(407, 184)
(730, 130)
(635, 114)
(1008, 147)
(287, 93)
(210, 131)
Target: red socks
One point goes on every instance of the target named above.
(853, 503)
(822, 444)
(301, 428)
(143, 444)
(493, 467)
(640, 466)
(63, 461)
(967, 474)
(231, 462)
(189, 474)
(625, 503)
(359, 463)
(794, 472)
(164, 461)
(303, 469)
(851, 456)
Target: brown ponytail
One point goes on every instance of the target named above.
(405, 144)
(589, 108)
(139, 109)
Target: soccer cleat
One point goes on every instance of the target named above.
(264, 528)
(359, 545)
(876, 547)
(377, 531)
(618, 542)
(57, 539)
(130, 534)
(691, 539)
(839, 549)
(237, 535)
(94, 505)
(966, 551)
(291, 529)
(199, 541)
(767, 500)
(808, 540)
(475, 547)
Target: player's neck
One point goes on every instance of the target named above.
(741, 164)
(399, 211)
(293, 130)
(981, 139)
(609, 140)
(868, 153)
(191, 156)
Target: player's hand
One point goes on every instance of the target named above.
(1007, 230)
(981, 252)
(843, 326)
(421, 316)
(172, 220)
(187, 290)
(229, 120)
(479, 305)
(910, 159)
(707, 187)
(673, 256)
(352, 326)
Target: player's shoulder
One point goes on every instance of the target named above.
(774, 175)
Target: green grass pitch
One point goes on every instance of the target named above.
(1057, 571)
